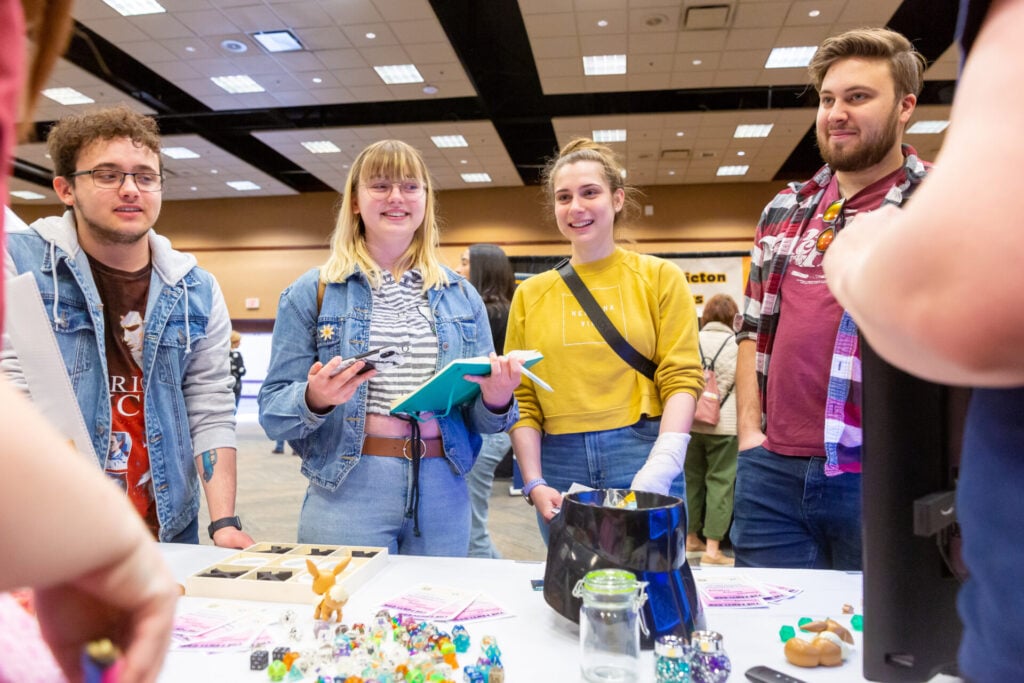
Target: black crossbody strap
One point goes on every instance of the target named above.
(642, 364)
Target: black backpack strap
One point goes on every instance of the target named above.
(623, 348)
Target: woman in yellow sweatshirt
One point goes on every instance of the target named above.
(605, 425)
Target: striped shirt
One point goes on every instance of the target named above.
(781, 224)
(401, 317)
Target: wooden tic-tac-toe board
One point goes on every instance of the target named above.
(276, 572)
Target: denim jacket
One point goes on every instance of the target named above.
(331, 444)
(187, 383)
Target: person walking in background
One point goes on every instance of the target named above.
(711, 456)
(607, 424)
(798, 489)
(488, 269)
(127, 308)
(237, 366)
(376, 479)
(936, 288)
(70, 535)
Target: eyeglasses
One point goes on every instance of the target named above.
(110, 179)
(835, 219)
(379, 189)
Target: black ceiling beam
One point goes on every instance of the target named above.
(930, 25)
(491, 42)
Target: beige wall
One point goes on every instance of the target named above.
(256, 247)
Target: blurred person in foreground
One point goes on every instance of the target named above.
(94, 568)
(936, 290)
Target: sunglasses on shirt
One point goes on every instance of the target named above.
(835, 219)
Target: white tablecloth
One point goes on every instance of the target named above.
(537, 644)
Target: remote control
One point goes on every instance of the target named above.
(764, 674)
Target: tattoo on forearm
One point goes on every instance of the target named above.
(209, 460)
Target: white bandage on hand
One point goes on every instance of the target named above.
(663, 465)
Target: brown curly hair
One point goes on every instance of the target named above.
(74, 133)
(721, 308)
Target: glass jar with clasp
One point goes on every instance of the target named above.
(610, 625)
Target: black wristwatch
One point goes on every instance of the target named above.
(223, 522)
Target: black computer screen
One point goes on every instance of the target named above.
(912, 436)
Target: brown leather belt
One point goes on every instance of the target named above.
(401, 447)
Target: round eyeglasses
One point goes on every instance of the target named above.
(111, 179)
(379, 189)
(835, 219)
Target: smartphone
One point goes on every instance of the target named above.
(764, 674)
(374, 359)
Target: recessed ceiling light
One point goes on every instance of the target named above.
(214, 171)
(609, 135)
(235, 46)
(237, 84)
(189, 48)
(399, 73)
(278, 41)
(926, 127)
(756, 130)
(131, 8)
(697, 62)
(680, 133)
(193, 188)
(430, 89)
(790, 57)
(732, 170)
(602, 23)
(463, 161)
(67, 96)
(671, 172)
(179, 153)
(243, 185)
(814, 13)
(443, 141)
(741, 153)
(371, 35)
(26, 194)
(321, 147)
(317, 79)
(604, 65)
(476, 177)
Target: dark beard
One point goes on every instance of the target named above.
(867, 155)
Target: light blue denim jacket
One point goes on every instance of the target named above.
(331, 444)
(187, 382)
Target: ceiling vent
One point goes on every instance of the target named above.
(703, 16)
(706, 154)
(676, 154)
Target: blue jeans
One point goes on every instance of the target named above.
(602, 460)
(369, 509)
(480, 480)
(190, 534)
(787, 513)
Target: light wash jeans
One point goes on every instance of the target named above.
(787, 513)
(606, 459)
(369, 509)
(480, 479)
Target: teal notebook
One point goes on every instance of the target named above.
(448, 389)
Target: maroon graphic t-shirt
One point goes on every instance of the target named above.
(124, 312)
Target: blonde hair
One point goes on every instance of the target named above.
(393, 160)
(906, 64)
(585, 149)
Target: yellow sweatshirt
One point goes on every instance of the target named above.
(648, 301)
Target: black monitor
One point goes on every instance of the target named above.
(912, 436)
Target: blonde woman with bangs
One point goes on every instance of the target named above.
(376, 479)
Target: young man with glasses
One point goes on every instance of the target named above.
(798, 370)
(144, 333)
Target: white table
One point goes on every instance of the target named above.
(538, 645)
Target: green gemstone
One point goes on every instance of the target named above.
(857, 622)
(786, 632)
